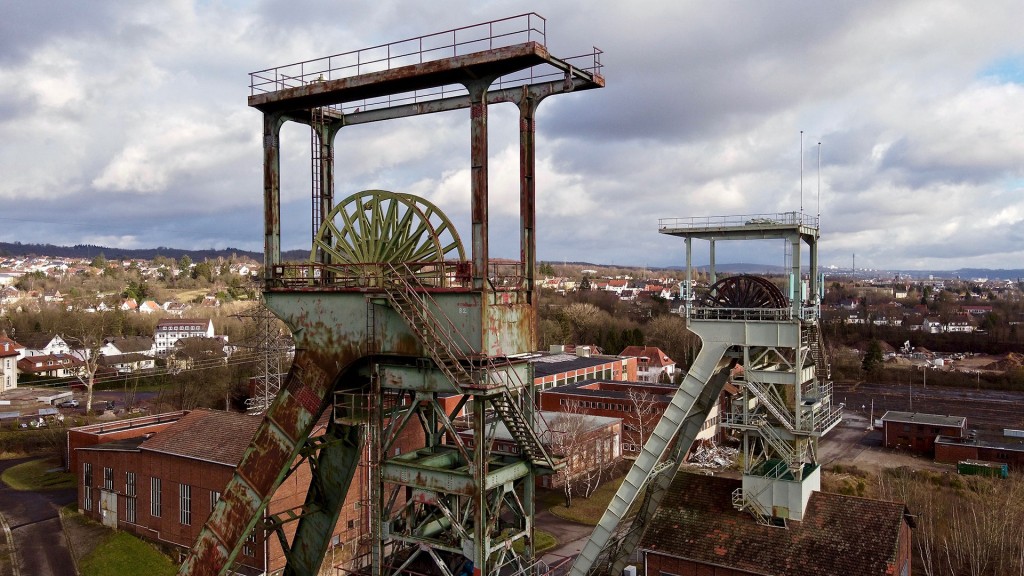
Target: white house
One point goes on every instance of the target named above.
(170, 330)
(8, 363)
(43, 344)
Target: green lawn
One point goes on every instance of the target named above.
(43, 474)
(122, 554)
(586, 510)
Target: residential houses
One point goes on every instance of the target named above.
(9, 351)
(653, 365)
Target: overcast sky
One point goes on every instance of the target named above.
(125, 124)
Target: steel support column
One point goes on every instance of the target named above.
(528, 191)
(272, 123)
(478, 182)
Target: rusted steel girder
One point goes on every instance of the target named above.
(277, 443)
(490, 63)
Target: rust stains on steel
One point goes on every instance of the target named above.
(489, 63)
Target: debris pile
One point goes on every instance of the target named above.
(711, 455)
(1013, 361)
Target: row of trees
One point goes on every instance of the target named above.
(964, 525)
(88, 331)
(605, 321)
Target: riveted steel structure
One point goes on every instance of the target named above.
(391, 315)
(786, 399)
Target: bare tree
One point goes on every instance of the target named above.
(86, 332)
(582, 321)
(571, 439)
(645, 415)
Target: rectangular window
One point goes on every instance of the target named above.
(108, 478)
(214, 497)
(87, 483)
(154, 497)
(185, 504)
(129, 494)
(249, 548)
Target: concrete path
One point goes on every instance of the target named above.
(571, 538)
(40, 545)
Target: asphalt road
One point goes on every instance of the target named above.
(39, 540)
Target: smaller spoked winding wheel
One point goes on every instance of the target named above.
(373, 228)
(744, 292)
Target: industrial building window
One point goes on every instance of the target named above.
(185, 504)
(154, 497)
(108, 478)
(249, 548)
(87, 483)
(214, 497)
(129, 493)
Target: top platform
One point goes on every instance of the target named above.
(741, 227)
(434, 67)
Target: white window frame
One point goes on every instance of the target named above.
(155, 503)
(185, 504)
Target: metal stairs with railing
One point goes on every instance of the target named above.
(411, 300)
(742, 500)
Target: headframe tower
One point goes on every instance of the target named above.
(392, 315)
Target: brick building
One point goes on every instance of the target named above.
(159, 478)
(559, 367)
(639, 412)
(916, 432)
(952, 449)
(696, 530)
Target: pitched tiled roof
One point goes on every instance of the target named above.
(9, 347)
(133, 344)
(36, 340)
(210, 435)
(843, 535)
(657, 358)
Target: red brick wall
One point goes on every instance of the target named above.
(173, 471)
(953, 453)
(917, 437)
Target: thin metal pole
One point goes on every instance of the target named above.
(819, 185)
(801, 172)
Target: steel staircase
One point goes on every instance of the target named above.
(411, 300)
(749, 502)
(768, 400)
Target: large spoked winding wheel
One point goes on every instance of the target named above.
(375, 227)
(744, 292)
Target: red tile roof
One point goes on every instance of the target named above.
(210, 435)
(843, 535)
(657, 358)
(8, 347)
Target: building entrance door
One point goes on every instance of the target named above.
(108, 508)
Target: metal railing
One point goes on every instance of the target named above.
(442, 275)
(751, 220)
(530, 27)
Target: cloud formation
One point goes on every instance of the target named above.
(127, 124)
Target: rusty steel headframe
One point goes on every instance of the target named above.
(419, 333)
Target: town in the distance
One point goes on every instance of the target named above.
(131, 389)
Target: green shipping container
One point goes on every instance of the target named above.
(977, 468)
